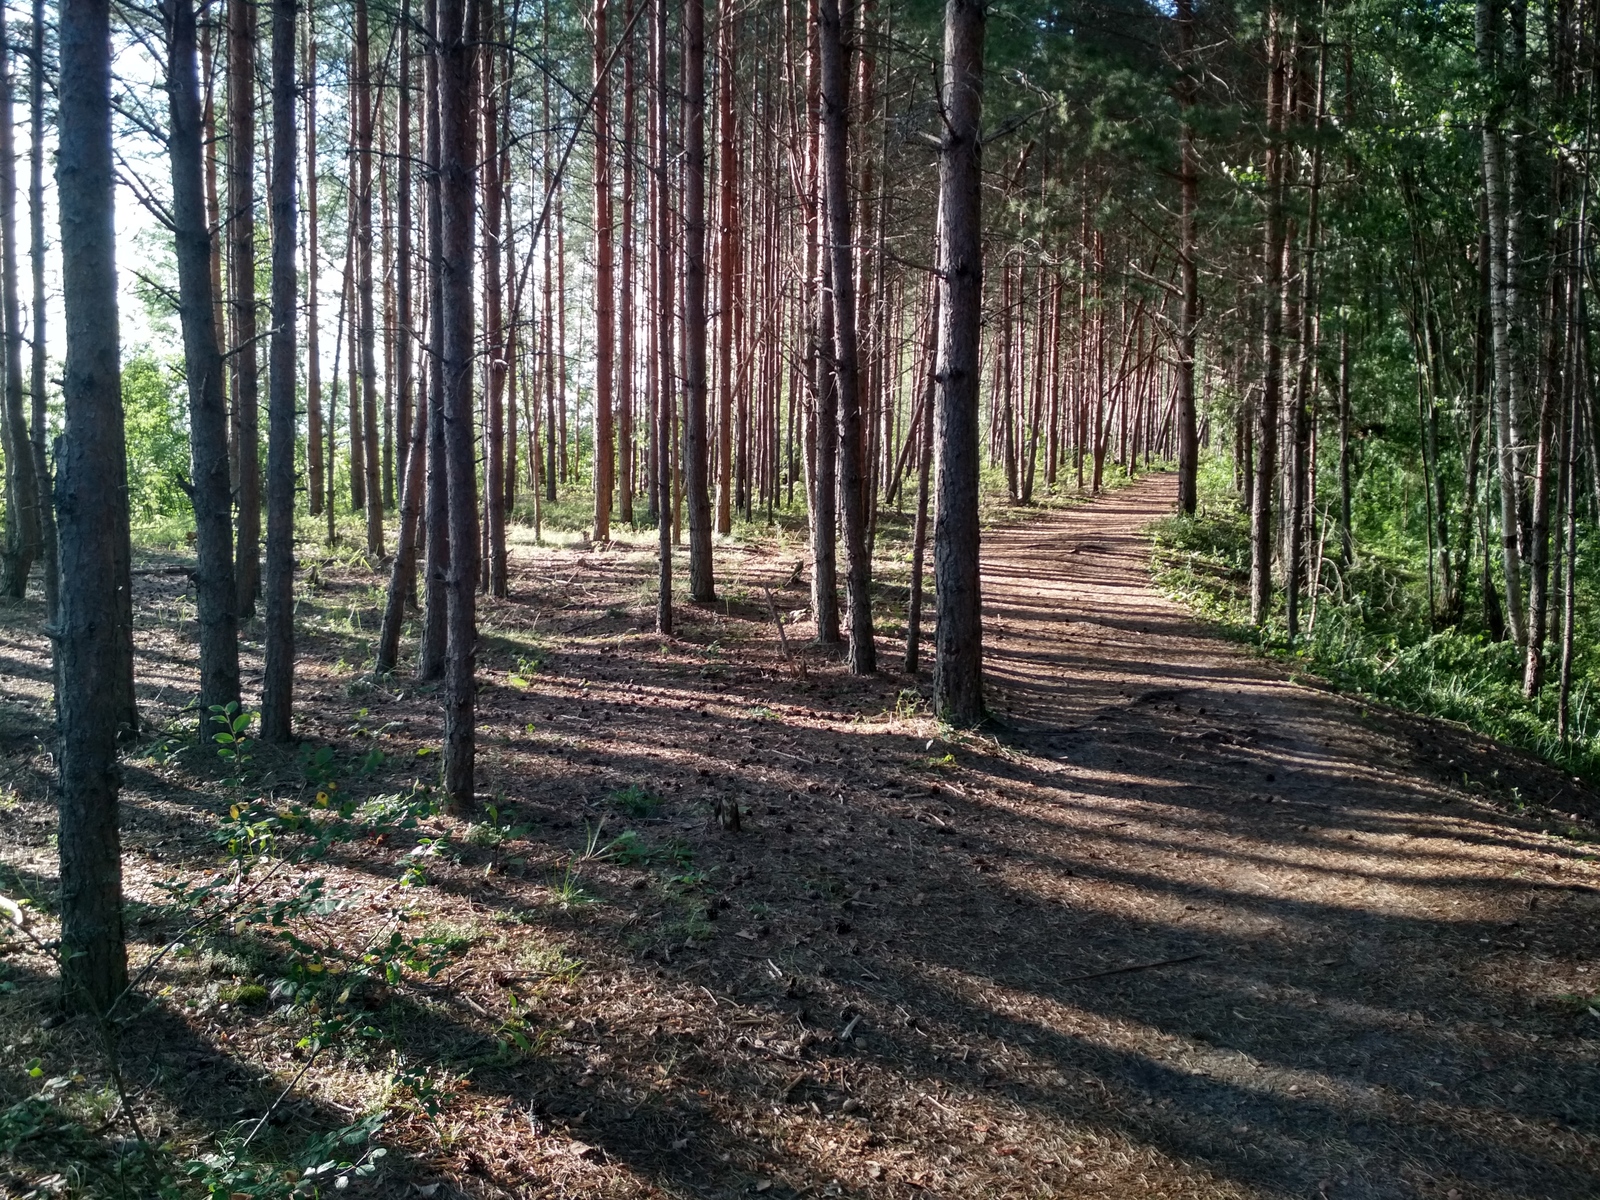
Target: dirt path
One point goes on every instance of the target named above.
(1370, 1004)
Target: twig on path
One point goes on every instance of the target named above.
(1149, 966)
(783, 638)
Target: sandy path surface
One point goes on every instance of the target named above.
(1366, 956)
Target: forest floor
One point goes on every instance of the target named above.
(1174, 924)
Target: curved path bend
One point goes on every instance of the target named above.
(1369, 963)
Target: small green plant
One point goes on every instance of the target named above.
(318, 766)
(243, 995)
(497, 830)
(676, 852)
(231, 1172)
(628, 849)
(551, 961)
(635, 801)
(528, 665)
(426, 1091)
(395, 810)
(909, 704)
(1580, 1005)
(567, 892)
(232, 744)
(517, 1032)
(594, 850)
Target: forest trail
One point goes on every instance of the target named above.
(1369, 971)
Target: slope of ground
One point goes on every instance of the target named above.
(1172, 926)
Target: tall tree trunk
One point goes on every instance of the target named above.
(366, 325)
(696, 448)
(385, 271)
(330, 454)
(242, 281)
(402, 570)
(494, 434)
(91, 489)
(511, 344)
(625, 330)
(1189, 314)
(220, 232)
(355, 423)
(315, 484)
(40, 419)
(405, 314)
(728, 260)
(1266, 471)
(567, 458)
(852, 485)
(822, 430)
(665, 367)
(277, 684)
(1578, 362)
(924, 434)
(208, 411)
(958, 664)
(1305, 379)
(22, 484)
(548, 337)
(457, 157)
(435, 621)
(1548, 456)
(825, 452)
(1347, 548)
(1500, 315)
(605, 286)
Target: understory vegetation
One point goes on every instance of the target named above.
(1367, 628)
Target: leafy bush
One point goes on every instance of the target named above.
(154, 410)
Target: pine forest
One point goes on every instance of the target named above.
(805, 598)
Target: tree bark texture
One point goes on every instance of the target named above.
(242, 283)
(457, 193)
(846, 368)
(435, 619)
(605, 287)
(277, 683)
(92, 514)
(22, 543)
(958, 661)
(39, 431)
(1189, 276)
(696, 446)
(666, 367)
(208, 412)
(1266, 472)
(366, 325)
